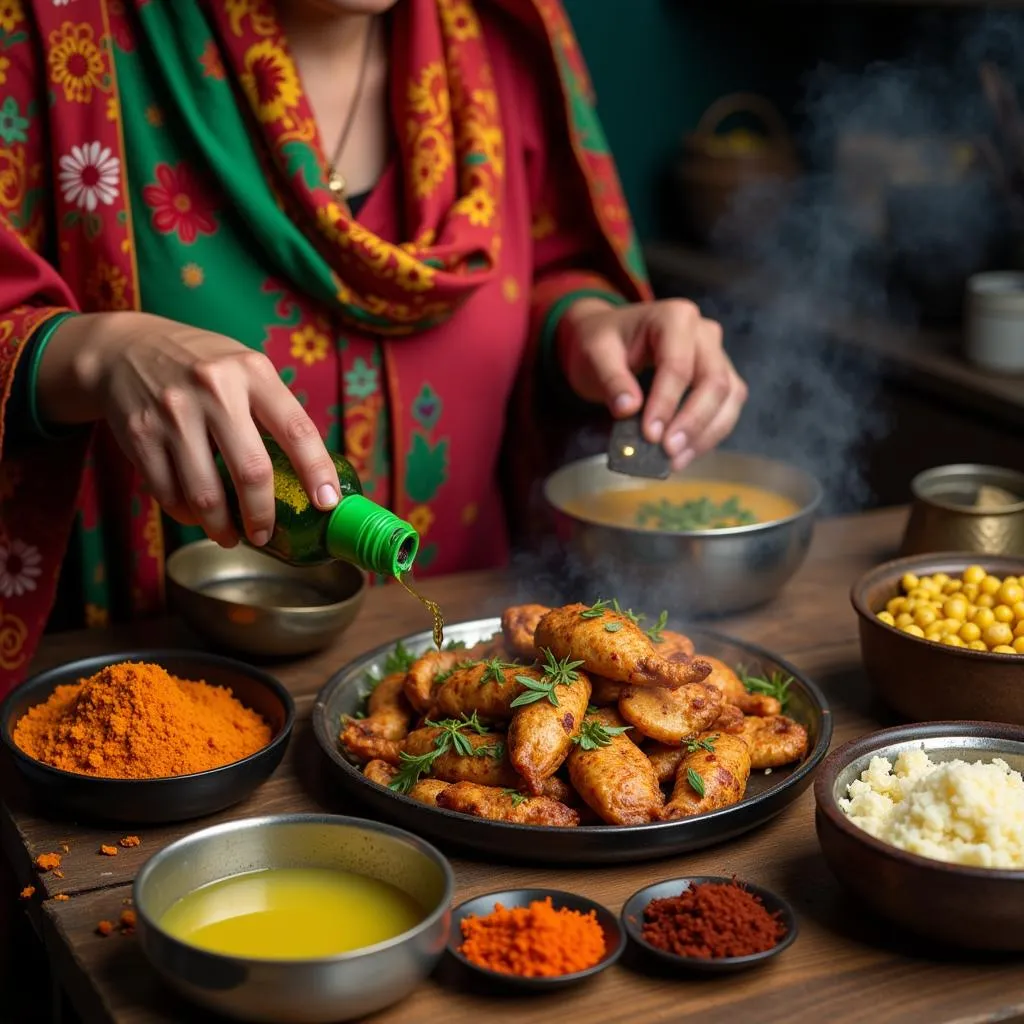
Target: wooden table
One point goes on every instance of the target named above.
(844, 967)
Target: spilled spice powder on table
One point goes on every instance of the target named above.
(712, 920)
(108, 851)
(48, 861)
(136, 721)
(129, 841)
(533, 942)
(28, 892)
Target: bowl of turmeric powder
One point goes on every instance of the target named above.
(147, 737)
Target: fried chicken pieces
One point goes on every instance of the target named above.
(571, 715)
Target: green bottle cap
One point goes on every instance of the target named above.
(370, 536)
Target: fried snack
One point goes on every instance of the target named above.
(730, 719)
(488, 769)
(604, 692)
(518, 625)
(722, 771)
(774, 740)
(617, 780)
(670, 716)
(541, 733)
(674, 646)
(360, 742)
(487, 688)
(624, 653)
(421, 678)
(725, 679)
(388, 713)
(425, 791)
(506, 805)
(560, 790)
(665, 760)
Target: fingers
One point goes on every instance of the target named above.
(613, 380)
(672, 344)
(277, 409)
(724, 421)
(245, 456)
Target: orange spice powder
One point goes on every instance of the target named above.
(533, 942)
(136, 721)
(129, 841)
(48, 861)
(108, 851)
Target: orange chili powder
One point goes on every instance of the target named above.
(535, 941)
(136, 721)
(129, 841)
(48, 861)
(108, 851)
(28, 892)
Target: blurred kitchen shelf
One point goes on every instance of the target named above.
(926, 358)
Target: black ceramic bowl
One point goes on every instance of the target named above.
(153, 801)
(479, 906)
(633, 920)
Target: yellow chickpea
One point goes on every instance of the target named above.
(924, 616)
(920, 594)
(1013, 579)
(1018, 630)
(955, 608)
(909, 581)
(990, 585)
(935, 633)
(973, 574)
(904, 619)
(998, 634)
(896, 605)
(977, 645)
(952, 640)
(983, 617)
(913, 630)
(1018, 645)
(887, 618)
(1003, 649)
(1018, 610)
(952, 586)
(969, 590)
(1010, 593)
(939, 578)
(970, 631)
(1003, 613)
(985, 601)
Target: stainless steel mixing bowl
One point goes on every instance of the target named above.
(318, 991)
(710, 572)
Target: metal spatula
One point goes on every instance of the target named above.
(631, 453)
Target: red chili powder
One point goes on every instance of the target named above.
(710, 921)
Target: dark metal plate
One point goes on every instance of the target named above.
(631, 453)
(767, 793)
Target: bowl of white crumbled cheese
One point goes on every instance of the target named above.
(925, 825)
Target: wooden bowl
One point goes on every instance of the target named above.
(969, 907)
(925, 681)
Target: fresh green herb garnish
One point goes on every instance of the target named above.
(596, 734)
(596, 610)
(692, 746)
(655, 632)
(698, 514)
(612, 627)
(454, 645)
(442, 677)
(775, 685)
(517, 797)
(635, 617)
(554, 673)
(413, 766)
(399, 660)
(695, 781)
(494, 670)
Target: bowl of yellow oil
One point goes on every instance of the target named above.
(303, 918)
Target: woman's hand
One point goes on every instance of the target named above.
(166, 390)
(601, 347)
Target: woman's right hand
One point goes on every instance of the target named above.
(166, 389)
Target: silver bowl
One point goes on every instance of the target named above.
(951, 904)
(707, 572)
(253, 603)
(315, 991)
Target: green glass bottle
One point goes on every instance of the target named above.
(356, 530)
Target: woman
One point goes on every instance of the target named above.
(340, 221)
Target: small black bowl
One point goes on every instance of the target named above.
(154, 801)
(633, 919)
(479, 906)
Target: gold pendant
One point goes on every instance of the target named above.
(336, 184)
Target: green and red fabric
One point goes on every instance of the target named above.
(171, 164)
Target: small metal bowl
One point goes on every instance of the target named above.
(633, 919)
(252, 602)
(926, 681)
(479, 906)
(705, 572)
(315, 991)
(154, 801)
(944, 516)
(969, 907)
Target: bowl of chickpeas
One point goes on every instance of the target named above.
(942, 636)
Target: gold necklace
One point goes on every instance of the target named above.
(335, 180)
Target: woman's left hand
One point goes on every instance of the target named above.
(601, 348)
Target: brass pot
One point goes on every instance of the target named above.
(947, 514)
